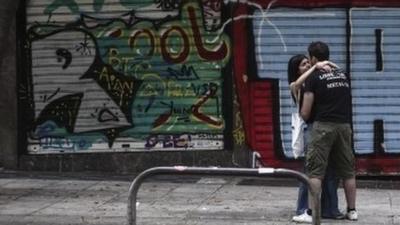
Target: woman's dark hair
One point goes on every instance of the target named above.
(293, 68)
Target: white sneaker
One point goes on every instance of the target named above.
(303, 218)
(352, 215)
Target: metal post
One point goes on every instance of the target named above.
(133, 189)
(255, 157)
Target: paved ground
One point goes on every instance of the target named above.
(55, 199)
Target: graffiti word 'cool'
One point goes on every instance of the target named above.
(162, 43)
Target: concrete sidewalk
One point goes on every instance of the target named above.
(39, 199)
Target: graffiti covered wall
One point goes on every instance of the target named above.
(119, 75)
(363, 40)
(113, 75)
(294, 29)
(375, 70)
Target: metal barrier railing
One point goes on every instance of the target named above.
(133, 189)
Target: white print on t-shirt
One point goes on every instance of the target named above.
(337, 84)
(334, 76)
(331, 76)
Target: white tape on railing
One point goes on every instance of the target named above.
(265, 170)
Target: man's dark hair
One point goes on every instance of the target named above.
(319, 50)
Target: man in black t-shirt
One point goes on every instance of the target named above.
(328, 95)
(332, 99)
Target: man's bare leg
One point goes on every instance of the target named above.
(316, 186)
(349, 186)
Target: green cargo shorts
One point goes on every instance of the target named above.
(330, 142)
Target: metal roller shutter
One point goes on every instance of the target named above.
(125, 76)
(279, 34)
(375, 70)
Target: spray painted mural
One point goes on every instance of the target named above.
(363, 39)
(111, 75)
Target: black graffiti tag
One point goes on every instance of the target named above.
(65, 54)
